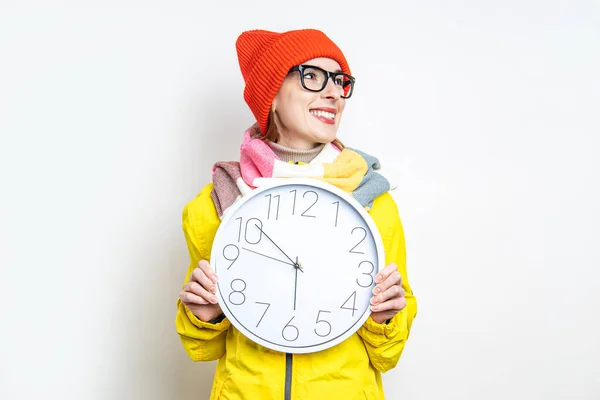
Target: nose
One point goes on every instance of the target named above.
(331, 91)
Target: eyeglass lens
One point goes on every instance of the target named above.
(315, 79)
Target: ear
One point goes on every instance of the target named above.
(274, 104)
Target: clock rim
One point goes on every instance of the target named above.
(278, 182)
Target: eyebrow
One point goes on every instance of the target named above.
(337, 71)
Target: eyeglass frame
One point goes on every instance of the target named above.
(332, 75)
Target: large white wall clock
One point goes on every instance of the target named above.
(296, 262)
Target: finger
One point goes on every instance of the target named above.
(207, 269)
(199, 276)
(391, 293)
(395, 304)
(197, 290)
(384, 273)
(189, 298)
(392, 279)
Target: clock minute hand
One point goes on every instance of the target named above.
(295, 265)
(264, 255)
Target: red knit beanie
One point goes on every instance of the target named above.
(266, 57)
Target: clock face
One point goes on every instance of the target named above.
(296, 262)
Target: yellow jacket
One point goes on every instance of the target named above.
(350, 370)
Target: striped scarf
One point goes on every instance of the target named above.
(351, 170)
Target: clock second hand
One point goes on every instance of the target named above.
(296, 265)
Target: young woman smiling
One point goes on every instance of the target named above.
(297, 85)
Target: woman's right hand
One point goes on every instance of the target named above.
(198, 293)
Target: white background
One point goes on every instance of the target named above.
(113, 112)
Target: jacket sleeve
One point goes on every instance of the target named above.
(203, 341)
(385, 342)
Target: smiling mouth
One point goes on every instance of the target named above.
(324, 116)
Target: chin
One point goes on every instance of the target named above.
(325, 136)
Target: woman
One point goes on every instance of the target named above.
(297, 84)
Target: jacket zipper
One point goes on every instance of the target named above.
(288, 376)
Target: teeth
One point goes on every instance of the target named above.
(324, 114)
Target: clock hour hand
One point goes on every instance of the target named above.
(294, 264)
(272, 258)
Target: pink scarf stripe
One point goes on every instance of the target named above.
(256, 159)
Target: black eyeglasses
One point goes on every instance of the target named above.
(315, 79)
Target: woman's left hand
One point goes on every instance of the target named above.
(388, 299)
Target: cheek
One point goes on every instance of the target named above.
(293, 116)
(296, 108)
